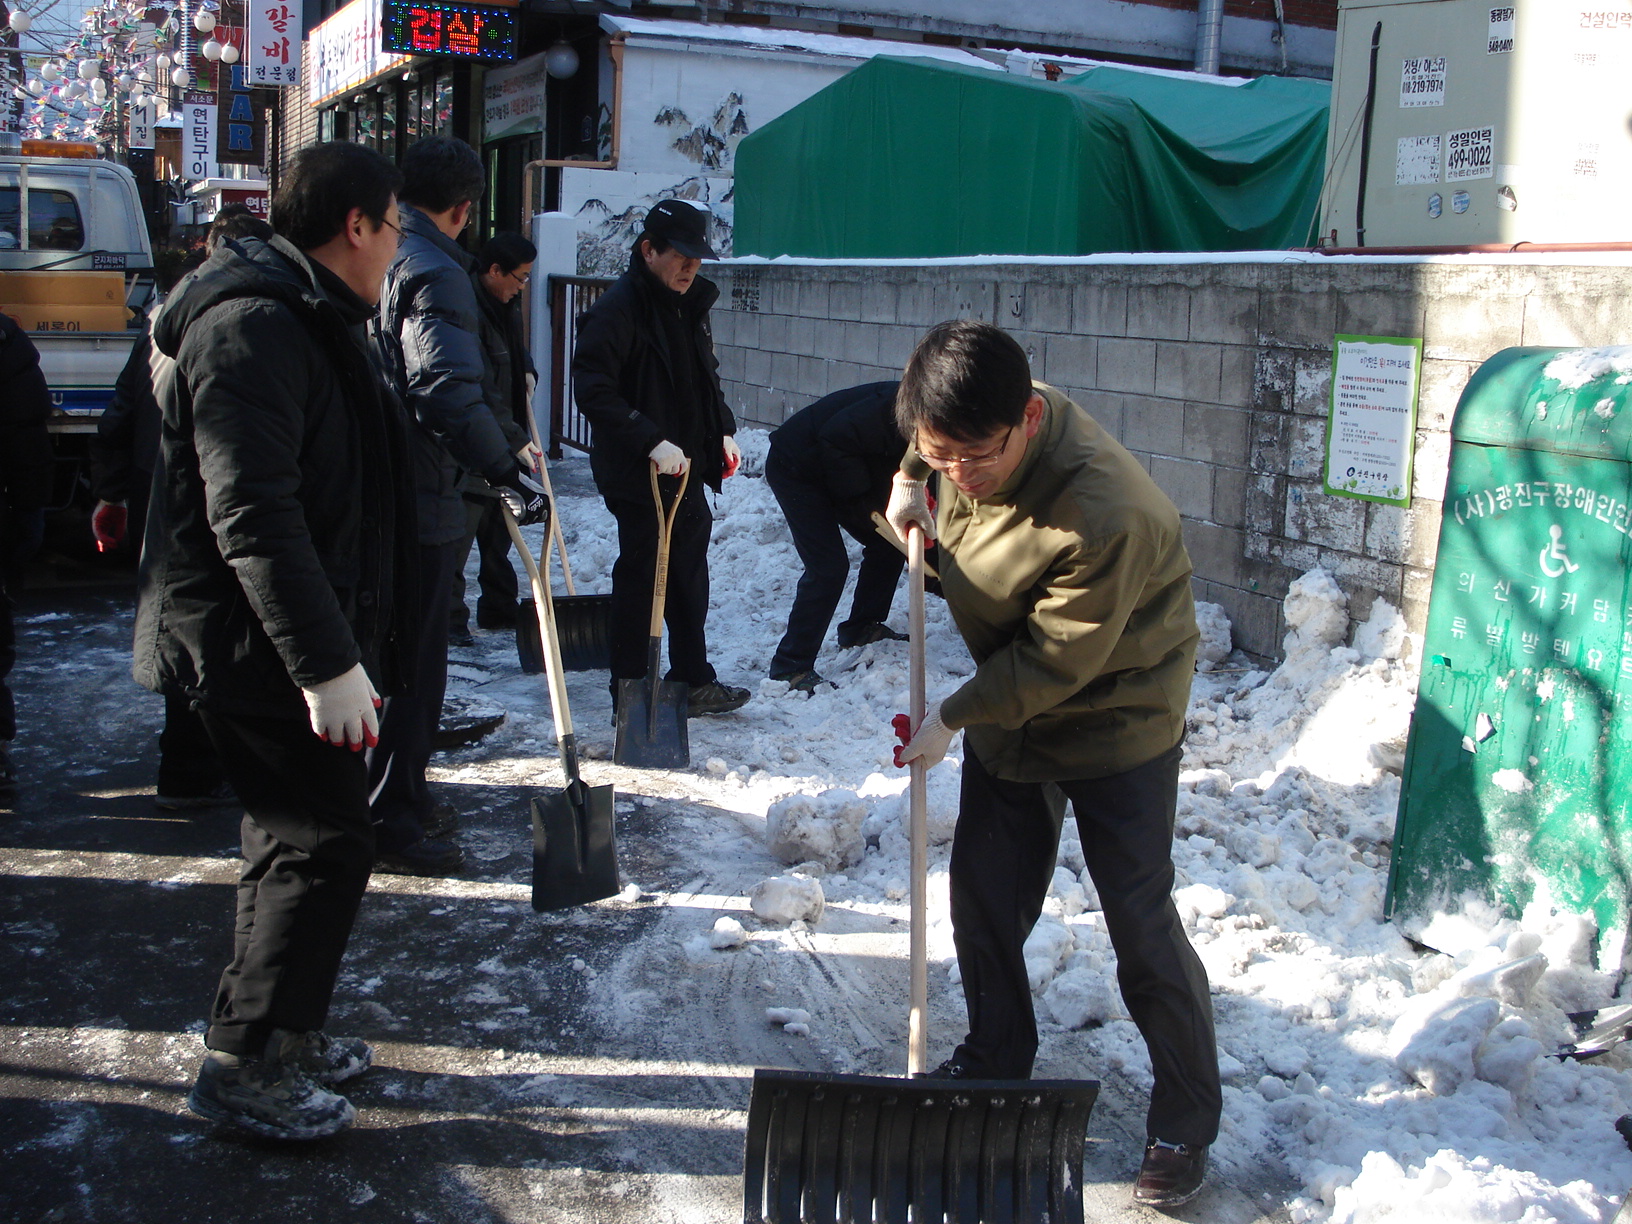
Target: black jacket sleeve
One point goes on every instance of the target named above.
(132, 414)
(25, 407)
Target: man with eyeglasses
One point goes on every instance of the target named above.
(504, 265)
(1063, 566)
(430, 331)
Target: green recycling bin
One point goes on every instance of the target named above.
(1518, 771)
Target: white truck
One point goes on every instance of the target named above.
(75, 271)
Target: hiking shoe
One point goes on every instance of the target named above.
(426, 857)
(461, 638)
(715, 698)
(221, 796)
(270, 1096)
(1171, 1174)
(867, 633)
(802, 681)
(952, 1068)
(442, 821)
(328, 1060)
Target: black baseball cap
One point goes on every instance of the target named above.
(683, 226)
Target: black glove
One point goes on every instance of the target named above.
(525, 497)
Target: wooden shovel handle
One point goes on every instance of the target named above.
(665, 529)
(918, 816)
(548, 638)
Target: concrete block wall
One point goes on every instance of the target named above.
(1216, 376)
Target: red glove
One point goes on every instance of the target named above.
(903, 732)
(108, 525)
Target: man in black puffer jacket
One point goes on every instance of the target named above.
(269, 595)
(25, 487)
(428, 311)
(645, 376)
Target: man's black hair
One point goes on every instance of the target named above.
(440, 173)
(966, 380)
(509, 251)
(235, 221)
(324, 183)
(659, 245)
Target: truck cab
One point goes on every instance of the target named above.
(75, 272)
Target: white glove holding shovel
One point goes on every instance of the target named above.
(345, 710)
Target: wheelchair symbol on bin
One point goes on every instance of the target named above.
(1555, 560)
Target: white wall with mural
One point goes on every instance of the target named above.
(690, 94)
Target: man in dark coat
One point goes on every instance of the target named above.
(124, 452)
(25, 487)
(268, 581)
(429, 315)
(830, 467)
(645, 376)
(505, 265)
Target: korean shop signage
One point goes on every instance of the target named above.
(465, 31)
(240, 132)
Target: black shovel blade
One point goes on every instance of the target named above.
(652, 736)
(528, 649)
(575, 855)
(864, 1148)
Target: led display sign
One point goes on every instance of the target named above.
(466, 31)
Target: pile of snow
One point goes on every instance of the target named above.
(823, 828)
(787, 899)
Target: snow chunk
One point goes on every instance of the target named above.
(1316, 611)
(727, 934)
(1512, 781)
(1216, 642)
(788, 899)
(825, 828)
(1435, 1042)
(1080, 997)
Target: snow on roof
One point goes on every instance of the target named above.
(766, 39)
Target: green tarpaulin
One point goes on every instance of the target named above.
(910, 158)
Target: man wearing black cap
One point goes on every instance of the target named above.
(645, 376)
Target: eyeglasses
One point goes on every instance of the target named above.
(945, 463)
(398, 228)
(520, 280)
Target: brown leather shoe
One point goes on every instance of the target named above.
(1171, 1174)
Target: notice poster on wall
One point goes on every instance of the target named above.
(1371, 430)
(1470, 154)
(1500, 41)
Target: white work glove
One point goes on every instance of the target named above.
(909, 504)
(345, 710)
(733, 456)
(529, 456)
(931, 742)
(670, 459)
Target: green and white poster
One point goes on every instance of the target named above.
(1371, 430)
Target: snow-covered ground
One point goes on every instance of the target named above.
(1391, 1082)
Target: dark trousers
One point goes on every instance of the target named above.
(813, 520)
(308, 851)
(8, 660)
(187, 764)
(685, 607)
(495, 576)
(399, 795)
(1003, 857)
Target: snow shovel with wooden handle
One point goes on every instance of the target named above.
(575, 855)
(651, 719)
(865, 1149)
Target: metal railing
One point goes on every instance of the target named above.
(570, 296)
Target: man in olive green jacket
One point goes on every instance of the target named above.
(1063, 566)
